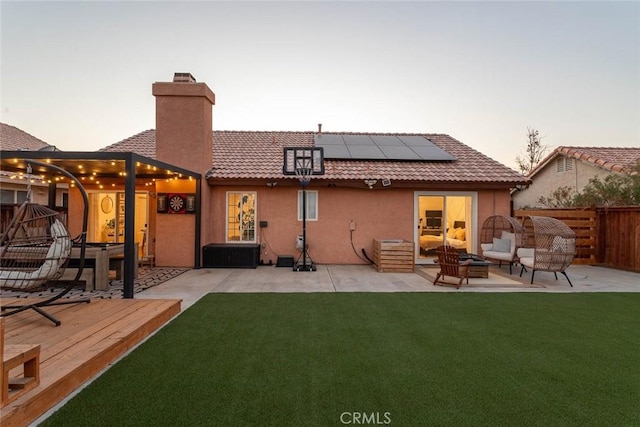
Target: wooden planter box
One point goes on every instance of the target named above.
(393, 255)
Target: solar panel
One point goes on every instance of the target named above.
(365, 152)
(380, 147)
(327, 139)
(381, 140)
(399, 152)
(336, 152)
(416, 141)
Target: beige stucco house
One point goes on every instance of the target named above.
(572, 167)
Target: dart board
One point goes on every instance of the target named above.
(176, 203)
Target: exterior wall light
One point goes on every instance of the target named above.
(370, 182)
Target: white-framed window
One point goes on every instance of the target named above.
(11, 197)
(312, 205)
(241, 216)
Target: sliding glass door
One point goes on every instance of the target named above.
(444, 218)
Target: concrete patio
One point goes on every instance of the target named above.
(193, 284)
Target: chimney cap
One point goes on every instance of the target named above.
(183, 78)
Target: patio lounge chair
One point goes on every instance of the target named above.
(500, 237)
(549, 245)
(450, 265)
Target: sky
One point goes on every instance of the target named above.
(78, 75)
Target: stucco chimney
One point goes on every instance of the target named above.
(183, 138)
(184, 122)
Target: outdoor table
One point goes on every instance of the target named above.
(100, 253)
(479, 267)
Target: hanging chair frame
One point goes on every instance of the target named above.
(9, 310)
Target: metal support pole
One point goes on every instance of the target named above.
(129, 227)
(304, 228)
(198, 239)
(52, 195)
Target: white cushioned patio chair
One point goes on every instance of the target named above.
(548, 245)
(500, 237)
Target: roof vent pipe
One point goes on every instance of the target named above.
(319, 127)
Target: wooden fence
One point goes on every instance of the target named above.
(604, 236)
(619, 237)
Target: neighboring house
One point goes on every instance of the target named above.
(14, 139)
(573, 167)
(425, 188)
(14, 187)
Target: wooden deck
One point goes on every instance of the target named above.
(90, 338)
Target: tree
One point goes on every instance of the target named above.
(562, 197)
(534, 152)
(613, 190)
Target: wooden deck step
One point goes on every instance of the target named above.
(91, 337)
(20, 370)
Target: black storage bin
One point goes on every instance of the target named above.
(285, 261)
(230, 255)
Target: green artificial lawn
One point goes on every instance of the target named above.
(405, 359)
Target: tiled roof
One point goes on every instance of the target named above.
(14, 139)
(614, 159)
(259, 155)
(143, 143)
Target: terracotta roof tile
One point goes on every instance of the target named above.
(143, 143)
(615, 159)
(258, 155)
(14, 139)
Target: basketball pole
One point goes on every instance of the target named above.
(304, 225)
(303, 162)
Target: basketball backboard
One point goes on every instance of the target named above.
(303, 160)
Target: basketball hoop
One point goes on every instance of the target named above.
(303, 162)
(304, 171)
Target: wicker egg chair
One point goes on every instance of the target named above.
(548, 244)
(35, 249)
(501, 227)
